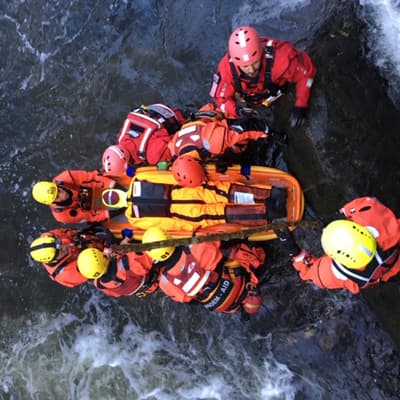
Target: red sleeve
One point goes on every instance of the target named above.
(61, 233)
(94, 179)
(208, 254)
(304, 78)
(248, 257)
(129, 145)
(139, 263)
(294, 66)
(79, 178)
(223, 92)
(64, 177)
(319, 271)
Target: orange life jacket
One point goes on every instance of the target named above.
(81, 204)
(210, 139)
(186, 276)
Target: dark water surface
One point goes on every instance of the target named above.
(70, 71)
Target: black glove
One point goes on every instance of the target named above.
(222, 166)
(115, 212)
(249, 124)
(287, 240)
(247, 112)
(103, 233)
(325, 220)
(297, 117)
(259, 112)
(277, 137)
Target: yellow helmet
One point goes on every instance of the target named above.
(92, 263)
(44, 249)
(348, 243)
(156, 234)
(45, 192)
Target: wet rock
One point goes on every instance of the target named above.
(349, 148)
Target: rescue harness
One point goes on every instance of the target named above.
(265, 87)
(143, 122)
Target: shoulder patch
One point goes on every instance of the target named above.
(215, 83)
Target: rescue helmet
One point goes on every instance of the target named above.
(156, 234)
(188, 171)
(44, 249)
(45, 192)
(92, 263)
(244, 46)
(348, 243)
(115, 160)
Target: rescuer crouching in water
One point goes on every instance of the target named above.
(222, 279)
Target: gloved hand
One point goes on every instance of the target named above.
(297, 117)
(222, 166)
(127, 233)
(104, 233)
(250, 124)
(247, 112)
(278, 137)
(287, 240)
(130, 171)
(325, 220)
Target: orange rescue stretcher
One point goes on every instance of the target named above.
(265, 177)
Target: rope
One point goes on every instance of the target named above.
(240, 234)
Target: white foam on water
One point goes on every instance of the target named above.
(89, 357)
(383, 20)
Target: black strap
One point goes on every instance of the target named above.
(216, 190)
(60, 267)
(363, 278)
(238, 85)
(270, 57)
(268, 85)
(125, 262)
(155, 196)
(203, 153)
(171, 261)
(111, 274)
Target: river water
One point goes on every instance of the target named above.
(70, 71)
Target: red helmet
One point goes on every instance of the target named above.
(115, 160)
(188, 171)
(244, 46)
